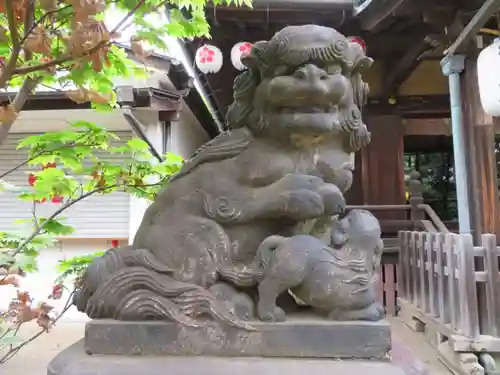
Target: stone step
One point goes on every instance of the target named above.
(74, 361)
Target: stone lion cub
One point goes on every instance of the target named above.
(337, 280)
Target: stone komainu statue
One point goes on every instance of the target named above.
(287, 160)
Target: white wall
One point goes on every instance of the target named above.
(43, 280)
(40, 283)
(55, 120)
(150, 81)
(153, 129)
(186, 134)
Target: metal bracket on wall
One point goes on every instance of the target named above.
(137, 126)
(125, 98)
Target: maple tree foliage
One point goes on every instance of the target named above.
(69, 165)
(67, 43)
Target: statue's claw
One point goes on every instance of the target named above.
(277, 315)
(302, 204)
(333, 199)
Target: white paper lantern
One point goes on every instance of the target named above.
(208, 59)
(237, 52)
(488, 75)
(357, 40)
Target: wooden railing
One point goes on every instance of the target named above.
(447, 282)
(416, 216)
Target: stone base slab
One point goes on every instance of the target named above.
(297, 337)
(74, 361)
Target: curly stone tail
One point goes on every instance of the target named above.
(132, 284)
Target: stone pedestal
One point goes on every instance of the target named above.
(297, 346)
(297, 337)
(73, 361)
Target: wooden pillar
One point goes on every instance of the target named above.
(354, 195)
(482, 167)
(382, 164)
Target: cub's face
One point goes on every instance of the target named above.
(339, 233)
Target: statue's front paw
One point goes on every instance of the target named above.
(372, 313)
(302, 204)
(380, 310)
(333, 199)
(277, 315)
(297, 181)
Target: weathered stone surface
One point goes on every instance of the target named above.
(299, 337)
(251, 205)
(73, 361)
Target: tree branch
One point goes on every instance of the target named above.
(71, 144)
(36, 232)
(13, 351)
(39, 21)
(28, 25)
(18, 103)
(66, 58)
(127, 17)
(62, 209)
(16, 46)
(59, 61)
(30, 83)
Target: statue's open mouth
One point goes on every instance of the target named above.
(306, 120)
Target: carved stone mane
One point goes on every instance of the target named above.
(286, 160)
(267, 56)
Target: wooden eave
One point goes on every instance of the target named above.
(401, 35)
(167, 100)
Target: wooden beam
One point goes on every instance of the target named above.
(281, 17)
(433, 126)
(489, 8)
(409, 106)
(406, 65)
(57, 100)
(427, 126)
(380, 45)
(374, 16)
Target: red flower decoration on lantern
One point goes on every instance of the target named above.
(357, 40)
(238, 51)
(208, 59)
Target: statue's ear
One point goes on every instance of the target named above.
(251, 61)
(257, 59)
(362, 64)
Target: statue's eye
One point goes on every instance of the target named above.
(333, 69)
(281, 70)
